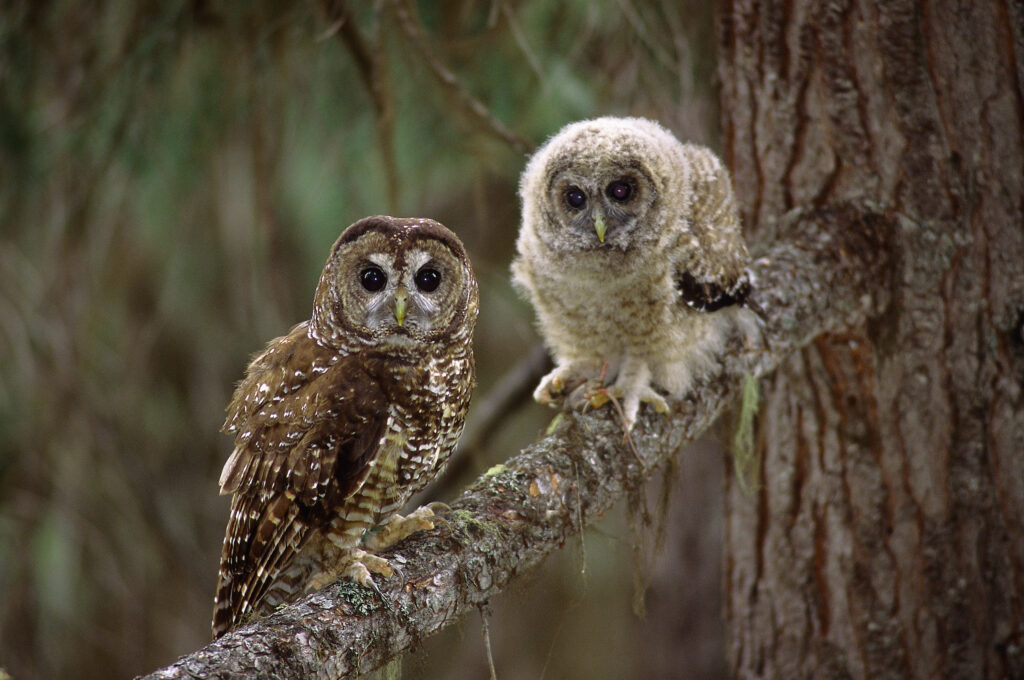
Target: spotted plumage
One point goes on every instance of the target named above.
(339, 422)
(632, 254)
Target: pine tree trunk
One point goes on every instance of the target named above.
(886, 539)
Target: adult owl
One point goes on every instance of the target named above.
(631, 253)
(339, 422)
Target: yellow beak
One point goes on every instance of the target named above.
(400, 297)
(600, 227)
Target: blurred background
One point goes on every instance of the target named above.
(172, 176)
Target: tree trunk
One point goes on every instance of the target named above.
(886, 538)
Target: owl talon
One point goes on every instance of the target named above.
(380, 593)
(361, 566)
(548, 390)
(363, 563)
(557, 383)
(437, 507)
(657, 401)
(401, 576)
(397, 528)
(631, 404)
(627, 401)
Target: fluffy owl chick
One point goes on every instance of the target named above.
(339, 422)
(631, 253)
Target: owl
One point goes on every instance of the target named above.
(631, 253)
(338, 423)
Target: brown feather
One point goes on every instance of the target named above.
(339, 422)
(337, 431)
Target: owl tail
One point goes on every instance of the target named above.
(223, 611)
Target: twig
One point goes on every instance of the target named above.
(634, 17)
(485, 613)
(447, 80)
(372, 68)
(520, 40)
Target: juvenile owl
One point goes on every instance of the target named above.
(631, 253)
(339, 422)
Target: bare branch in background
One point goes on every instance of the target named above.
(370, 61)
(460, 96)
(636, 19)
(521, 41)
(826, 269)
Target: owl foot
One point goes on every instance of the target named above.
(632, 386)
(562, 380)
(356, 566)
(628, 402)
(553, 385)
(397, 527)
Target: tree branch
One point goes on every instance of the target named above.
(457, 93)
(827, 269)
(370, 61)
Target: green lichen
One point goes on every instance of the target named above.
(495, 470)
(553, 425)
(468, 526)
(745, 461)
(364, 601)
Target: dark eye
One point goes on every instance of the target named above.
(373, 279)
(428, 279)
(619, 190)
(575, 197)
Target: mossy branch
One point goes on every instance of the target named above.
(825, 270)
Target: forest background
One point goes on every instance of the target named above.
(172, 175)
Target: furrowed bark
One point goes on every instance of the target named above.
(826, 270)
(887, 540)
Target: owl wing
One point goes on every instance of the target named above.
(710, 272)
(711, 295)
(306, 422)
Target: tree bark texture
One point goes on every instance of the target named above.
(886, 539)
(823, 274)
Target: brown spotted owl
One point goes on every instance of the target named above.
(339, 422)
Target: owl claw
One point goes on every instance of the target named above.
(628, 402)
(357, 567)
(397, 528)
(438, 507)
(362, 563)
(556, 383)
(380, 593)
(548, 390)
(651, 397)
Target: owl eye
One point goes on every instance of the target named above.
(428, 279)
(619, 190)
(373, 279)
(575, 197)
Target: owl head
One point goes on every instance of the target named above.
(601, 184)
(395, 282)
